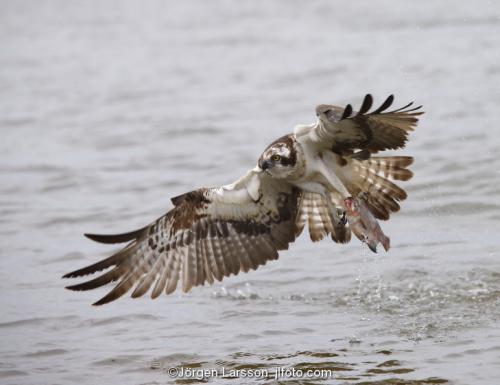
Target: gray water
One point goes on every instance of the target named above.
(108, 109)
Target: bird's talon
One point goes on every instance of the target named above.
(343, 219)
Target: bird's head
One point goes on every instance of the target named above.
(279, 159)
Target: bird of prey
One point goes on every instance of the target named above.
(323, 174)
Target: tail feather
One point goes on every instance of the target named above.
(301, 219)
(377, 208)
(317, 228)
(370, 182)
(372, 177)
(314, 211)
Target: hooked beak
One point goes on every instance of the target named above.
(264, 165)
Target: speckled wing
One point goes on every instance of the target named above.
(208, 235)
(344, 130)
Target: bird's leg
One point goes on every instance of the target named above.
(336, 184)
(337, 215)
(333, 180)
(343, 218)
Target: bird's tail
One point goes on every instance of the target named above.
(373, 177)
(315, 212)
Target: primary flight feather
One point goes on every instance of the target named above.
(322, 175)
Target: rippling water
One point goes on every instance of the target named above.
(107, 109)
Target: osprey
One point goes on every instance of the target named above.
(322, 174)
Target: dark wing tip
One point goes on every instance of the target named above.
(366, 105)
(405, 109)
(103, 301)
(94, 283)
(116, 238)
(416, 109)
(110, 297)
(385, 105)
(347, 112)
(77, 287)
(86, 270)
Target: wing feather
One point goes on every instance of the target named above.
(200, 262)
(343, 132)
(373, 177)
(207, 270)
(146, 281)
(104, 264)
(108, 277)
(240, 251)
(189, 269)
(174, 270)
(231, 262)
(209, 234)
(125, 284)
(367, 104)
(116, 238)
(386, 104)
(162, 277)
(218, 258)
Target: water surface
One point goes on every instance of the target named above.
(107, 109)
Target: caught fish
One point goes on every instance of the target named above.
(364, 224)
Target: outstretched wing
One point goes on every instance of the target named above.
(344, 130)
(209, 234)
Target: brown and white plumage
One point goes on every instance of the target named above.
(344, 131)
(344, 141)
(301, 179)
(208, 235)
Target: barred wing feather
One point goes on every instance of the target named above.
(208, 235)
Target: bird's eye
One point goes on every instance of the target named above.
(276, 158)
